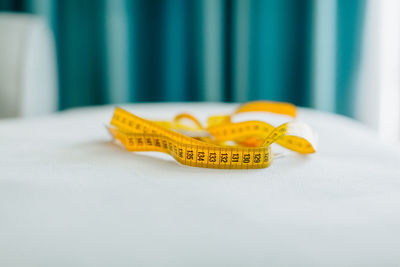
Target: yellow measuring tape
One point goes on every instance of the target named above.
(223, 144)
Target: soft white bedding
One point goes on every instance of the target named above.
(70, 197)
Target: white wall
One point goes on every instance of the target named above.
(28, 73)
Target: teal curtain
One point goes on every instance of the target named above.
(110, 51)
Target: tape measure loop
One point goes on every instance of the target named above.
(251, 139)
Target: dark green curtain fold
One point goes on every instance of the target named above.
(279, 39)
(114, 51)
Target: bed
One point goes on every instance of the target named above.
(70, 196)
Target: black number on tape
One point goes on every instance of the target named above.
(200, 156)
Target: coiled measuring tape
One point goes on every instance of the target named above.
(223, 144)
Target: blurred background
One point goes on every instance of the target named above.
(339, 56)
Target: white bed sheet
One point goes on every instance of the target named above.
(70, 197)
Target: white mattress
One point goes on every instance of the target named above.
(70, 197)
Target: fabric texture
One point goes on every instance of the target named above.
(71, 197)
(115, 51)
